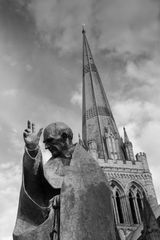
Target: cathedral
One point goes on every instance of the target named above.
(134, 200)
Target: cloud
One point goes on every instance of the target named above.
(7, 222)
(9, 93)
(76, 97)
(148, 140)
(58, 21)
(148, 71)
(135, 27)
(136, 111)
(132, 29)
(9, 191)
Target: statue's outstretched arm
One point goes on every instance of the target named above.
(33, 207)
(34, 181)
(33, 176)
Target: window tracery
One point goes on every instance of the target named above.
(118, 202)
(119, 207)
(135, 197)
(132, 206)
(127, 207)
(139, 202)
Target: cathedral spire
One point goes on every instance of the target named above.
(97, 118)
(89, 99)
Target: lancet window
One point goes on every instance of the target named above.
(139, 202)
(135, 197)
(132, 206)
(118, 202)
(119, 207)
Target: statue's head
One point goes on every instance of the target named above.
(57, 138)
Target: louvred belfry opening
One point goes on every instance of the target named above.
(98, 124)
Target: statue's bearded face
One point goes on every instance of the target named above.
(57, 146)
(58, 139)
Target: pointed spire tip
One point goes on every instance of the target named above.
(83, 28)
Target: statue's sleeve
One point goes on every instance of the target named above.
(33, 177)
(33, 209)
(34, 181)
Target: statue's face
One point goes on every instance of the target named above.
(56, 146)
(57, 138)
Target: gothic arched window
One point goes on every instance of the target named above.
(136, 201)
(119, 207)
(132, 206)
(119, 203)
(139, 202)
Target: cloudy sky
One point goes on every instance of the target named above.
(40, 76)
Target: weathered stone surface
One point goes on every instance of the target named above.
(86, 210)
(34, 219)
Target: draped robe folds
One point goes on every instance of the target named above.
(38, 211)
(85, 210)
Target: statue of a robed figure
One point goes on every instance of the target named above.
(68, 198)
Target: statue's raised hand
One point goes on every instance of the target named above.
(31, 138)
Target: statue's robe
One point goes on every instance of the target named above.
(85, 200)
(36, 215)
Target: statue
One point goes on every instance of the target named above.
(66, 199)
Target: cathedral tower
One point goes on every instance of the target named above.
(129, 176)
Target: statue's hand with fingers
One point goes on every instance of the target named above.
(31, 137)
